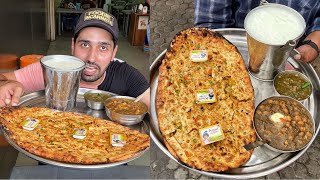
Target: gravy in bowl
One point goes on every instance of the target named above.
(283, 123)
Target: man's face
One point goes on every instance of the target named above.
(95, 47)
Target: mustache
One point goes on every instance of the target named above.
(92, 64)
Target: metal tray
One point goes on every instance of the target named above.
(263, 161)
(38, 99)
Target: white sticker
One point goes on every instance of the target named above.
(79, 133)
(199, 55)
(205, 96)
(117, 139)
(211, 134)
(30, 124)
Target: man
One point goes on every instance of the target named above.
(231, 13)
(95, 43)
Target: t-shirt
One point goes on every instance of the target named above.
(123, 79)
(119, 78)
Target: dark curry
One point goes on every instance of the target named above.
(126, 106)
(283, 123)
(293, 85)
(96, 97)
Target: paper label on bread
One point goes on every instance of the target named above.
(117, 139)
(30, 124)
(199, 55)
(211, 134)
(79, 133)
(206, 96)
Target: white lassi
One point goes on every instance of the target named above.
(274, 25)
(67, 64)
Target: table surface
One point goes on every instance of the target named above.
(65, 10)
(54, 172)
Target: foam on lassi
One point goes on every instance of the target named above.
(274, 25)
(61, 64)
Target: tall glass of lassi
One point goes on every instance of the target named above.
(272, 33)
(62, 75)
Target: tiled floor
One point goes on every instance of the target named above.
(7, 160)
(8, 157)
(134, 56)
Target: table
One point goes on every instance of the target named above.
(54, 172)
(117, 10)
(63, 10)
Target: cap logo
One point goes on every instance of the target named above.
(99, 15)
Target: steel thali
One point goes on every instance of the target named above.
(38, 99)
(263, 161)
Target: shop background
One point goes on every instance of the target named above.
(23, 27)
(168, 17)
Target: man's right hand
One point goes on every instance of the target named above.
(10, 92)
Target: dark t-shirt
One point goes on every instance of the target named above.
(123, 79)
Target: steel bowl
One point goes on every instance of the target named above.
(125, 119)
(295, 73)
(286, 98)
(96, 105)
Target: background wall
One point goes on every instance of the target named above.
(167, 18)
(23, 27)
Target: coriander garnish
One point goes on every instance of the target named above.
(305, 85)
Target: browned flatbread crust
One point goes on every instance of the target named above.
(180, 117)
(53, 137)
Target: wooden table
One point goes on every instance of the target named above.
(63, 10)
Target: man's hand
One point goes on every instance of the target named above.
(307, 53)
(10, 92)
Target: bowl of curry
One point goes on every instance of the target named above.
(284, 124)
(124, 110)
(294, 84)
(95, 98)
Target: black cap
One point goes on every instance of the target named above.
(97, 17)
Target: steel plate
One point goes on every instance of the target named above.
(38, 99)
(263, 161)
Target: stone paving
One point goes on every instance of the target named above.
(306, 167)
(168, 18)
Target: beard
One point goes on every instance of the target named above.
(92, 72)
